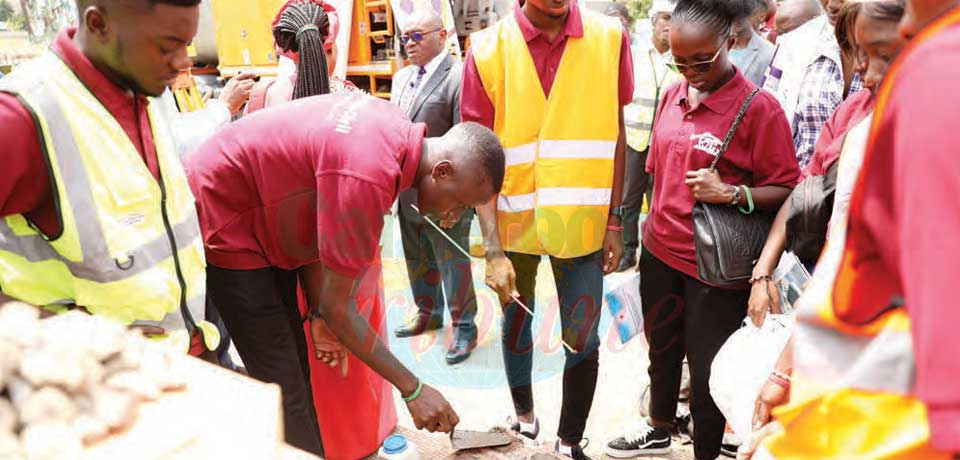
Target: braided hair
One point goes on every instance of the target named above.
(719, 15)
(302, 28)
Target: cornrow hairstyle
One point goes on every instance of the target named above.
(846, 19)
(884, 10)
(302, 28)
(719, 15)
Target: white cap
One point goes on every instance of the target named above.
(661, 6)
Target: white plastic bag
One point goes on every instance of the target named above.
(742, 366)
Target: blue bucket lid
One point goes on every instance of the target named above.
(394, 444)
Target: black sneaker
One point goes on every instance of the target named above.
(576, 452)
(646, 441)
(530, 435)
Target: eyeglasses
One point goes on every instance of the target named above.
(416, 37)
(696, 67)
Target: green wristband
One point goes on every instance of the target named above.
(750, 208)
(415, 394)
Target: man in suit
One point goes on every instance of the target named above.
(751, 54)
(428, 91)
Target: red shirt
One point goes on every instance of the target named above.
(760, 154)
(303, 182)
(906, 224)
(830, 142)
(476, 106)
(24, 178)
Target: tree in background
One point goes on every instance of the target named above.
(6, 11)
(638, 8)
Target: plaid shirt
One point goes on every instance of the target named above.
(820, 94)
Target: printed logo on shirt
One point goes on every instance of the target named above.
(132, 220)
(707, 142)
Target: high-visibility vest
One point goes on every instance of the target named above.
(853, 377)
(649, 83)
(119, 226)
(559, 151)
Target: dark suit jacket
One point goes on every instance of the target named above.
(438, 102)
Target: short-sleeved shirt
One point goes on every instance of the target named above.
(24, 177)
(304, 182)
(830, 142)
(906, 225)
(760, 154)
(476, 106)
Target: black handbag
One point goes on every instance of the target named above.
(727, 242)
(811, 205)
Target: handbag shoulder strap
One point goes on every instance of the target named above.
(733, 128)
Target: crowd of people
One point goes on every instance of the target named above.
(829, 121)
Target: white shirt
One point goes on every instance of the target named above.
(431, 67)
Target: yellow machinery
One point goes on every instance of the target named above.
(244, 40)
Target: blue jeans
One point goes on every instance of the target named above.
(579, 288)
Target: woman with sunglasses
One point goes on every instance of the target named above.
(684, 316)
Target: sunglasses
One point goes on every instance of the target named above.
(416, 37)
(696, 67)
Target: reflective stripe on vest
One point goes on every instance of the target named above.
(638, 116)
(115, 253)
(559, 150)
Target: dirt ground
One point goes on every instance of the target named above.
(477, 388)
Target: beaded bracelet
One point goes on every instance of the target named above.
(779, 381)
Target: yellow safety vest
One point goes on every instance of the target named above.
(559, 151)
(649, 85)
(115, 254)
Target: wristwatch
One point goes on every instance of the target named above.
(737, 195)
(617, 212)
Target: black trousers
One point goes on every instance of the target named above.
(428, 254)
(636, 184)
(685, 317)
(579, 287)
(259, 308)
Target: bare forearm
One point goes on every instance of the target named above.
(358, 337)
(775, 245)
(785, 362)
(487, 215)
(767, 198)
(619, 167)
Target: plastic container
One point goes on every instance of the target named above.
(396, 447)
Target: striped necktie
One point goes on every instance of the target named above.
(410, 92)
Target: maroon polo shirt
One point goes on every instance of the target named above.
(24, 177)
(476, 106)
(302, 182)
(830, 141)
(760, 153)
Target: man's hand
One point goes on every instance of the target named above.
(326, 347)
(237, 91)
(764, 298)
(501, 277)
(430, 411)
(706, 187)
(771, 396)
(612, 251)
